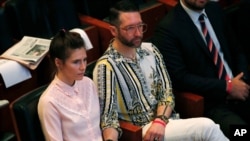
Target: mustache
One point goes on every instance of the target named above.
(137, 38)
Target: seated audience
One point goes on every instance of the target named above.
(134, 86)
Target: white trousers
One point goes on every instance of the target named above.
(191, 129)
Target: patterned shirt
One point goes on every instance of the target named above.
(132, 90)
(70, 113)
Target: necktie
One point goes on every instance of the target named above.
(222, 74)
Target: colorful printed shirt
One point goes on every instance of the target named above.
(132, 90)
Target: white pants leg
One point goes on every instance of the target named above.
(192, 129)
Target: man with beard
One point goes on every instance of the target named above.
(134, 86)
(215, 69)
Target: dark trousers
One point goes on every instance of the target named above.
(230, 113)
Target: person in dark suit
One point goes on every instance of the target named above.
(180, 39)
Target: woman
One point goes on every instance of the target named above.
(66, 107)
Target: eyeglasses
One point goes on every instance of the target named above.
(132, 29)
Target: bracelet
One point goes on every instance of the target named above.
(160, 122)
(229, 86)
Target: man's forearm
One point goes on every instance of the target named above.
(167, 113)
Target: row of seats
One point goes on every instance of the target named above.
(98, 32)
(43, 18)
(22, 109)
(17, 13)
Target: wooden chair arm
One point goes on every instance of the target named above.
(189, 104)
(130, 132)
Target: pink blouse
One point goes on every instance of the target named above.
(70, 113)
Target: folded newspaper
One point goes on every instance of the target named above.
(29, 52)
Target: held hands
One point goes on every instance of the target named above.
(240, 89)
(155, 132)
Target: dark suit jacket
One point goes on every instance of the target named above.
(187, 58)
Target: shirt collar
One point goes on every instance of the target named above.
(67, 89)
(194, 15)
(140, 53)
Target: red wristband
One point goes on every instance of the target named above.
(160, 122)
(229, 86)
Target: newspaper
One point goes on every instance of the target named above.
(29, 51)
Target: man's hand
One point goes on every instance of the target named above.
(155, 132)
(240, 89)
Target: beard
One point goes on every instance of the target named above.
(194, 6)
(133, 43)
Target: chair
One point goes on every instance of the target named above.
(189, 104)
(94, 53)
(103, 29)
(25, 117)
(130, 132)
(4, 135)
(151, 13)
